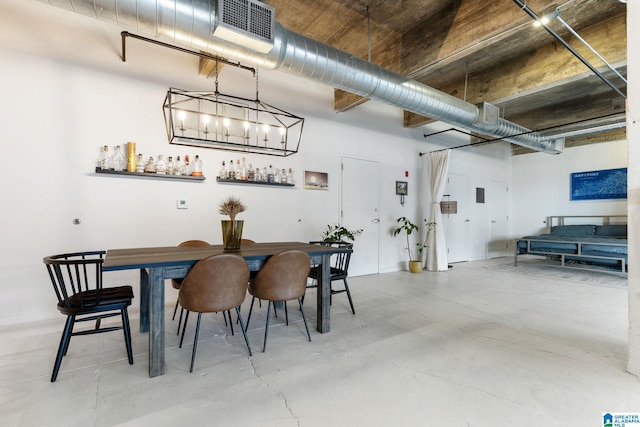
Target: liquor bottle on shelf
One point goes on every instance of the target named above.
(161, 165)
(232, 171)
(277, 177)
(105, 162)
(171, 166)
(290, 177)
(238, 170)
(118, 160)
(223, 171)
(257, 176)
(197, 166)
(270, 177)
(140, 163)
(250, 173)
(265, 175)
(150, 167)
(179, 167)
(187, 166)
(283, 177)
(243, 170)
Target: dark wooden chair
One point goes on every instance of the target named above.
(339, 270)
(214, 284)
(176, 283)
(77, 282)
(282, 278)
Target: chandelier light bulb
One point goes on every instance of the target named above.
(246, 129)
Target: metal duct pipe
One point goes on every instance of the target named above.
(191, 23)
(596, 126)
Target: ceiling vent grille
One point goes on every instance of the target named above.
(248, 23)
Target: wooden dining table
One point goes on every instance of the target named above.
(172, 262)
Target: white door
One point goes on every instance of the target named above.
(457, 225)
(499, 242)
(359, 206)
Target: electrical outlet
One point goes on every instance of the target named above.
(181, 204)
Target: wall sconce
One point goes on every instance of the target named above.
(401, 190)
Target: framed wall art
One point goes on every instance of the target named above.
(599, 185)
(316, 180)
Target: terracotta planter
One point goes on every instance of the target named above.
(415, 266)
(232, 234)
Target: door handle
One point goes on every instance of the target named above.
(376, 220)
(467, 220)
(493, 222)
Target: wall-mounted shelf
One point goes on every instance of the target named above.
(236, 181)
(150, 175)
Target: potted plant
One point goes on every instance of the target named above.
(405, 225)
(338, 233)
(232, 228)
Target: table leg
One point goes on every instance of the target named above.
(156, 322)
(324, 295)
(144, 300)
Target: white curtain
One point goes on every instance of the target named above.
(437, 169)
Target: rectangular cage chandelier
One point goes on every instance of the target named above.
(226, 122)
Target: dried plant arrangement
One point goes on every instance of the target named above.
(232, 207)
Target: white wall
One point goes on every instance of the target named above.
(541, 185)
(57, 113)
(66, 94)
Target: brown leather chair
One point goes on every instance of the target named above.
(282, 278)
(214, 284)
(177, 282)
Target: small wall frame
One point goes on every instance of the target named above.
(401, 190)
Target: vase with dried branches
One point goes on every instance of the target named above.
(232, 228)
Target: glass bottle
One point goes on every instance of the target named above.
(161, 165)
(140, 163)
(243, 170)
(265, 175)
(118, 160)
(105, 162)
(223, 171)
(283, 177)
(270, 176)
(150, 167)
(179, 170)
(290, 177)
(232, 171)
(250, 173)
(171, 166)
(277, 177)
(257, 177)
(238, 170)
(187, 166)
(197, 166)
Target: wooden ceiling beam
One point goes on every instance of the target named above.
(544, 68)
(567, 113)
(462, 29)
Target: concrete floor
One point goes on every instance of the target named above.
(480, 345)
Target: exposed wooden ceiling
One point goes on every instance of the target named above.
(481, 51)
